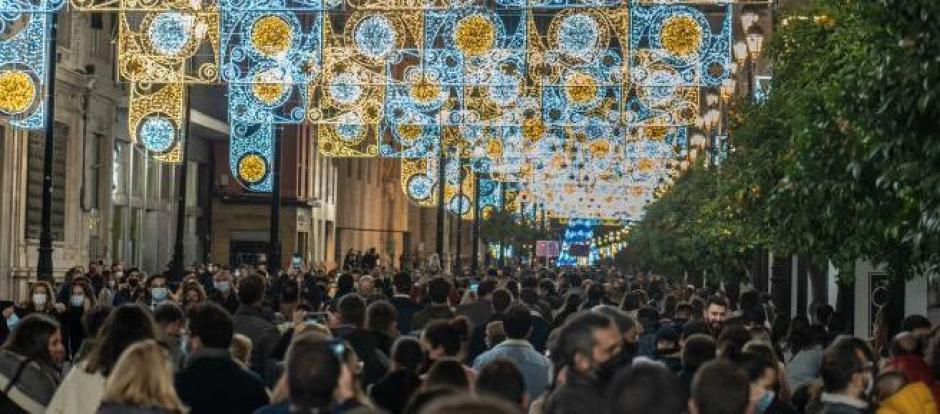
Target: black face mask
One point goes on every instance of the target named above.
(606, 371)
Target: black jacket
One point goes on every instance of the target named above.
(363, 342)
(251, 322)
(406, 308)
(214, 383)
(394, 390)
(579, 394)
(432, 312)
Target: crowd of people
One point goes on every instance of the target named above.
(539, 341)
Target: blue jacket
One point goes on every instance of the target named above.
(535, 368)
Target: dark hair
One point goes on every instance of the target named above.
(670, 302)
(439, 290)
(250, 289)
(547, 285)
(423, 398)
(755, 359)
(502, 379)
(840, 363)
(572, 301)
(913, 322)
(449, 372)
(749, 299)
(486, 287)
(720, 387)
(716, 300)
(645, 388)
(168, 313)
(623, 321)
(595, 293)
(94, 319)
(501, 300)
(314, 365)
(31, 338)
(529, 296)
(518, 322)
(380, 315)
(407, 353)
(402, 282)
(212, 325)
(731, 340)
(469, 404)
(129, 323)
(696, 327)
(648, 317)
(576, 335)
(449, 335)
(513, 288)
(699, 349)
(684, 308)
(352, 309)
(800, 336)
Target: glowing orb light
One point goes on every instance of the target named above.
(375, 37)
(271, 36)
(475, 35)
(252, 168)
(681, 35)
(581, 88)
(170, 32)
(17, 91)
(578, 34)
(345, 88)
(157, 133)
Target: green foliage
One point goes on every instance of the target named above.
(841, 163)
(506, 227)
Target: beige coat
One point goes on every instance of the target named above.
(80, 392)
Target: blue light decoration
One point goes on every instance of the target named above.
(251, 156)
(24, 31)
(577, 244)
(157, 133)
(169, 32)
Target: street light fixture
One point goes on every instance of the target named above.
(749, 18)
(740, 52)
(755, 41)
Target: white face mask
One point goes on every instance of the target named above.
(39, 299)
(77, 300)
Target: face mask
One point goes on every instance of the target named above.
(184, 346)
(764, 403)
(77, 300)
(133, 282)
(118, 274)
(12, 320)
(222, 286)
(158, 293)
(39, 299)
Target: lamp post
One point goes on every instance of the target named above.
(176, 267)
(457, 261)
(274, 259)
(441, 183)
(475, 255)
(44, 262)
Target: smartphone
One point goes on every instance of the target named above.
(474, 286)
(318, 317)
(295, 261)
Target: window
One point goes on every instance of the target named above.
(34, 179)
(118, 170)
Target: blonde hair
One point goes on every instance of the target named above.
(241, 348)
(143, 377)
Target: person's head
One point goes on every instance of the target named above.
(716, 311)
(94, 319)
(402, 283)
(799, 335)
(126, 325)
(366, 286)
(501, 300)
(888, 384)
(169, 316)
(645, 388)
(439, 291)
(317, 373)
(143, 377)
(428, 395)
(381, 317)
(918, 325)
(447, 372)
(251, 290)
(546, 287)
(157, 288)
(698, 349)
(40, 296)
(630, 330)
(732, 340)
(37, 337)
(222, 281)
(485, 289)
(683, 312)
(905, 343)
(193, 294)
(407, 354)
(847, 367)
(210, 326)
(445, 338)
(82, 294)
(518, 322)
(501, 378)
(351, 310)
(241, 349)
(759, 363)
(468, 404)
(495, 334)
(572, 301)
(667, 340)
(586, 341)
(719, 387)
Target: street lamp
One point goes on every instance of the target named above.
(749, 18)
(740, 52)
(755, 45)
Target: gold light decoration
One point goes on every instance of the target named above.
(681, 35)
(494, 148)
(600, 148)
(474, 35)
(425, 90)
(581, 88)
(17, 91)
(409, 132)
(533, 129)
(267, 93)
(656, 133)
(271, 35)
(252, 168)
(645, 165)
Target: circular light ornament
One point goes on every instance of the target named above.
(409, 132)
(533, 129)
(460, 204)
(599, 148)
(503, 89)
(350, 128)
(474, 35)
(419, 187)
(157, 133)
(17, 91)
(658, 89)
(269, 87)
(425, 90)
(345, 88)
(375, 37)
(169, 32)
(581, 88)
(578, 34)
(681, 36)
(252, 168)
(272, 36)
